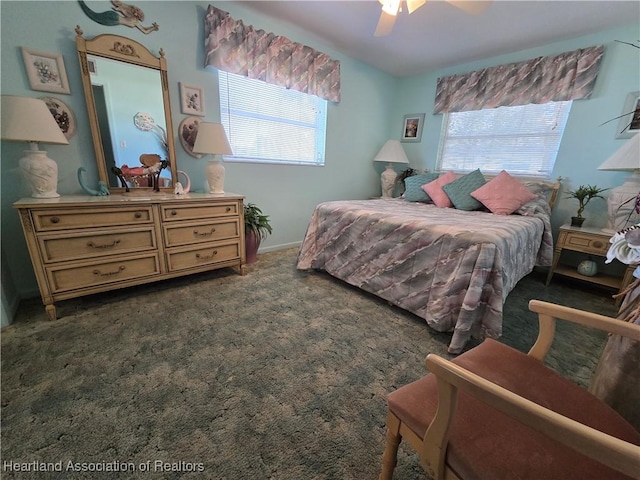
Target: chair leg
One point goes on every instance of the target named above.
(390, 456)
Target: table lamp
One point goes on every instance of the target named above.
(212, 139)
(621, 200)
(392, 152)
(26, 119)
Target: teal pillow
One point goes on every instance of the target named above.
(459, 191)
(413, 187)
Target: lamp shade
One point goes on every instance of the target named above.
(627, 157)
(392, 152)
(29, 120)
(212, 139)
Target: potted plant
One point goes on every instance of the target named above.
(256, 229)
(584, 193)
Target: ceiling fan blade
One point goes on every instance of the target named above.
(474, 7)
(413, 5)
(385, 25)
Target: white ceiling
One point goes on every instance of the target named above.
(439, 35)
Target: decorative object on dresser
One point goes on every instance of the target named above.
(212, 139)
(256, 229)
(620, 204)
(45, 71)
(412, 127)
(584, 194)
(102, 187)
(81, 245)
(191, 100)
(392, 152)
(181, 189)
(29, 120)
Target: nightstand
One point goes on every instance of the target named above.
(591, 241)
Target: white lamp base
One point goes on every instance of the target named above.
(388, 181)
(215, 176)
(41, 172)
(621, 203)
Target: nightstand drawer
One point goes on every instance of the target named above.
(586, 243)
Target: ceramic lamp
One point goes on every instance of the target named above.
(392, 152)
(212, 139)
(29, 120)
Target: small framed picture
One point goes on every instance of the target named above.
(412, 127)
(45, 71)
(191, 100)
(187, 132)
(629, 123)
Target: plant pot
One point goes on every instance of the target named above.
(251, 243)
(577, 221)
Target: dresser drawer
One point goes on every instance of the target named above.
(76, 245)
(100, 273)
(180, 234)
(586, 243)
(203, 256)
(199, 211)
(49, 220)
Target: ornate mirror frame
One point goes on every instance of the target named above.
(126, 50)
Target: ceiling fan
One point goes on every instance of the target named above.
(391, 8)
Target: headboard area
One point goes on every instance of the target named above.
(548, 188)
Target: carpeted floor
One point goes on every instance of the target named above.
(279, 374)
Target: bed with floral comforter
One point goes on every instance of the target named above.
(452, 268)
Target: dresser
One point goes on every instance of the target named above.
(81, 245)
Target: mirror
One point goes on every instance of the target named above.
(127, 95)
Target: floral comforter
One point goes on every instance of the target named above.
(452, 268)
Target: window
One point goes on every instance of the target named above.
(271, 124)
(523, 140)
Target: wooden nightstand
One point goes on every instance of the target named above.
(591, 241)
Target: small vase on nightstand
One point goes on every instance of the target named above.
(577, 221)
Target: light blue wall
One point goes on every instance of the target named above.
(357, 126)
(585, 144)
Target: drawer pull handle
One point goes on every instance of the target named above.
(138, 215)
(228, 209)
(104, 245)
(109, 274)
(598, 244)
(173, 213)
(204, 234)
(55, 219)
(204, 258)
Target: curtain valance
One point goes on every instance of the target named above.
(234, 47)
(568, 76)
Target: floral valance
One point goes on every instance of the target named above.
(568, 76)
(234, 47)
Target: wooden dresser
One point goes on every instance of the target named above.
(80, 245)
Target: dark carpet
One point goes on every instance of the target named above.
(279, 374)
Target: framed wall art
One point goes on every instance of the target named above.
(187, 131)
(45, 71)
(62, 114)
(629, 123)
(191, 100)
(412, 127)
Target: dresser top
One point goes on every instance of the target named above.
(124, 199)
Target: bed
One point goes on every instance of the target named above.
(450, 267)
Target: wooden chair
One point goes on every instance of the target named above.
(496, 413)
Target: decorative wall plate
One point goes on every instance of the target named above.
(187, 131)
(62, 115)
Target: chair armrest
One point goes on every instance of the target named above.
(615, 453)
(549, 312)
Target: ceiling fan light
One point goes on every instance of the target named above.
(391, 7)
(413, 5)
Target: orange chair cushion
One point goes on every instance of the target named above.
(486, 444)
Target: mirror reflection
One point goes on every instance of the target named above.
(130, 109)
(127, 94)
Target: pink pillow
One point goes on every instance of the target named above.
(503, 194)
(435, 191)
